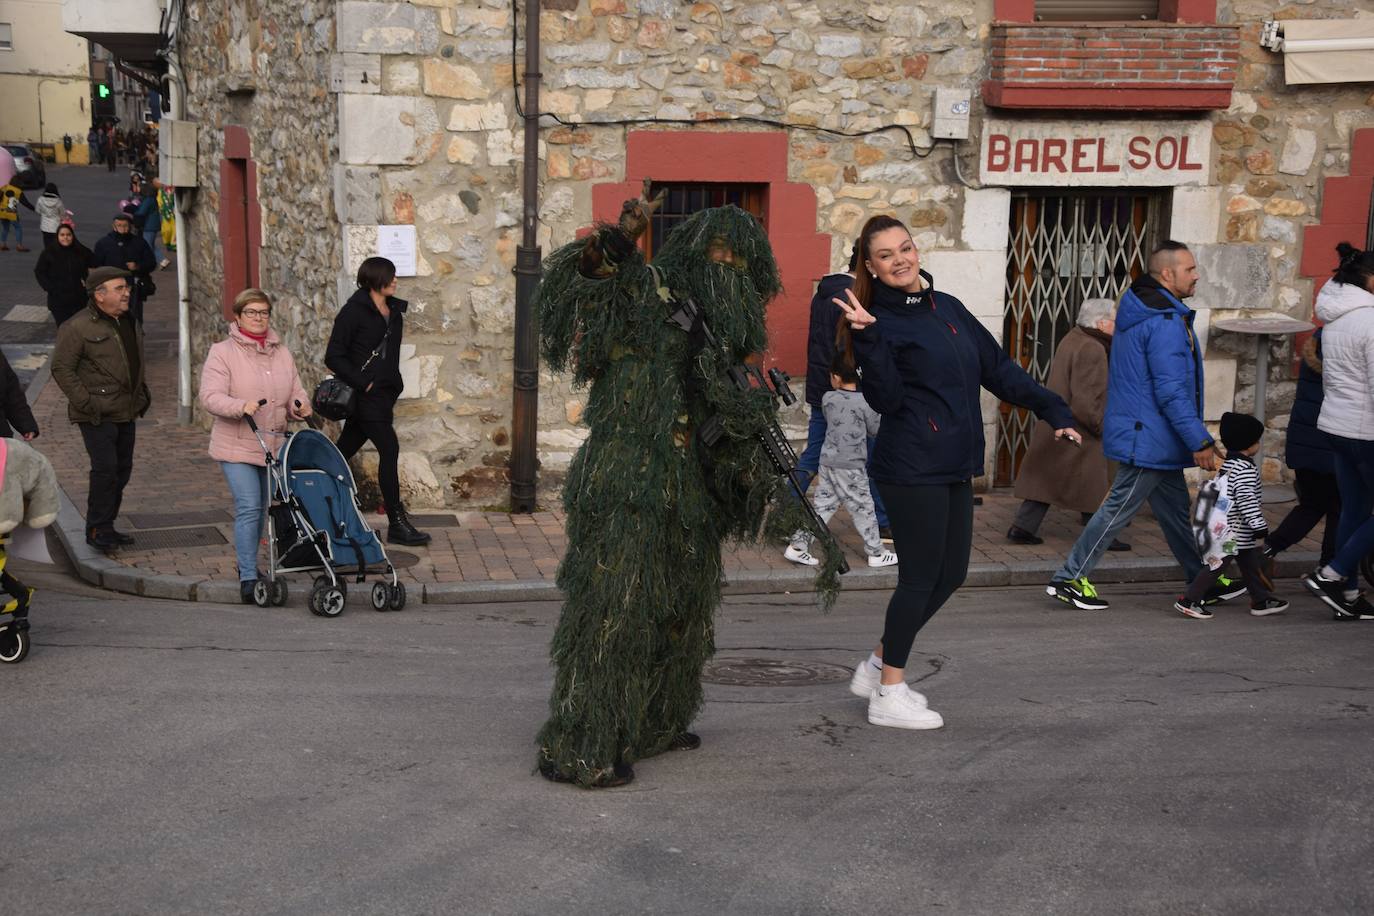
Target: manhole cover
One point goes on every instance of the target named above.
(145, 520)
(169, 538)
(435, 521)
(772, 672)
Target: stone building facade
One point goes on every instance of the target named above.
(322, 121)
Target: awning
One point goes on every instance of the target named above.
(1327, 50)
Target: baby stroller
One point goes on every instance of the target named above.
(314, 525)
(14, 613)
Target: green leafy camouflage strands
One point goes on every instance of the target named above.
(648, 507)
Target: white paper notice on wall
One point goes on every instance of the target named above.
(397, 244)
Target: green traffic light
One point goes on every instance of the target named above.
(104, 91)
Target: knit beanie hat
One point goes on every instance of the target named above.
(1239, 431)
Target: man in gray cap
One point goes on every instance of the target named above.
(123, 248)
(98, 364)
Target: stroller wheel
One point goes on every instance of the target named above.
(262, 593)
(279, 593)
(323, 582)
(14, 645)
(329, 600)
(380, 596)
(313, 601)
(398, 596)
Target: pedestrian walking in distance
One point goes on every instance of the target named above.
(1071, 478)
(1241, 434)
(61, 271)
(842, 481)
(1346, 306)
(122, 249)
(923, 360)
(11, 199)
(51, 211)
(250, 374)
(365, 351)
(98, 363)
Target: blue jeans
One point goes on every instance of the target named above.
(152, 237)
(1355, 478)
(810, 461)
(248, 486)
(1167, 493)
(5, 225)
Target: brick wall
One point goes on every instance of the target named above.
(1112, 65)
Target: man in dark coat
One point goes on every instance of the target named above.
(15, 415)
(1071, 478)
(126, 251)
(98, 363)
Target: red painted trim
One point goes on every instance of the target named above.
(1196, 11)
(237, 144)
(1362, 152)
(240, 218)
(756, 157)
(1149, 97)
(1013, 10)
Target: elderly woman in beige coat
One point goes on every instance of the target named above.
(1054, 473)
(240, 374)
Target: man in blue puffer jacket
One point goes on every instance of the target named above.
(1153, 424)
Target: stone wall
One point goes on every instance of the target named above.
(263, 65)
(422, 129)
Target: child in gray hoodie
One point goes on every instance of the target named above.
(843, 480)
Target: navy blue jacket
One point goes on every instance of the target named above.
(1154, 382)
(1308, 447)
(820, 340)
(923, 364)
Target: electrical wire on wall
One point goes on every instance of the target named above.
(917, 152)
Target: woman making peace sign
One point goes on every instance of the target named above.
(923, 359)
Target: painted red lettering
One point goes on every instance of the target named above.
(1025, 155)
(1171, 160)
(1052, 154)
(1139, 153)
(1183, 164)
(1080, 154)
(1102, 164)
(999, 148)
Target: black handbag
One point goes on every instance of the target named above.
(335, 399)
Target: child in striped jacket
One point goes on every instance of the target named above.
(1240, 433)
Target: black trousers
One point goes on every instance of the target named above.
(1318, 498)
(111, 449)
(382, 435)
(932, 532)
(1251, 563)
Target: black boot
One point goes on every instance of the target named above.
(399, 530)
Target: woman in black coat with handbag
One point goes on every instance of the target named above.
(61, 271)
(365, 351)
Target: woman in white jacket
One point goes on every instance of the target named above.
(51, 212)
(1346, 308)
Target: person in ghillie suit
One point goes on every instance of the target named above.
(648, 502)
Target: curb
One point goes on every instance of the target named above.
(99, 570)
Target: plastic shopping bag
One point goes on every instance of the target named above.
(1211, 529)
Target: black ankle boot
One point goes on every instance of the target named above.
(399, 530)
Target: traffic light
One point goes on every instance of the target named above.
(103, 91)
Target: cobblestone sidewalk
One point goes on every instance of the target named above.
(474, 555)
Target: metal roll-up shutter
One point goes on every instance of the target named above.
(1095, 10)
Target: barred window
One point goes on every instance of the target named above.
(685, 198)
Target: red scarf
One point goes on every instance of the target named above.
(260, 338)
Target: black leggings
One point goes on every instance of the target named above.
(1318, 498)
(380, 432)
(932, 532)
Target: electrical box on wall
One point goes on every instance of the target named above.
(951, 114)
(176, 147)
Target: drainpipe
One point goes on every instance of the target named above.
(525, 413)
(177, 98)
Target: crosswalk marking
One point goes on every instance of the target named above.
(27, 313)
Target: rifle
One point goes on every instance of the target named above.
(745, 377)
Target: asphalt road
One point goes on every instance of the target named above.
(175, 758)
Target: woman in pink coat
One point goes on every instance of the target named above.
(252, 365)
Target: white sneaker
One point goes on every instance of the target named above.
(800, 557)
(886, 558)
(866, 679)
(900, 709)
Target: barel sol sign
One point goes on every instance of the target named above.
(1102, 154)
